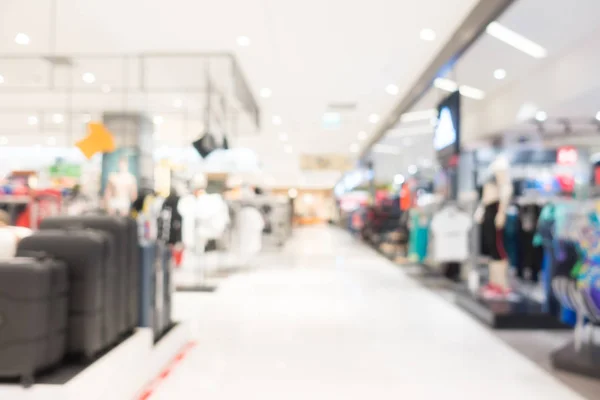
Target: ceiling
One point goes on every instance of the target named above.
(309, 54)
(545, 23)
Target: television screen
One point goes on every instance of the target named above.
(446, 138)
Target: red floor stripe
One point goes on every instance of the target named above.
(150, 389)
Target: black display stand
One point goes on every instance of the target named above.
(525, 313)
(584, 362)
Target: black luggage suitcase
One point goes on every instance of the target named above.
(117, 228)
(92, 275)
(133, 262)
(33, 316)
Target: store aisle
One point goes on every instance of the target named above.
(329, 319)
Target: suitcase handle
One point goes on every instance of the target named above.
(38, 255)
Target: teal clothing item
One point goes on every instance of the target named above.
(555, 216)
(418, 237)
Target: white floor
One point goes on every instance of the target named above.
(329, 319)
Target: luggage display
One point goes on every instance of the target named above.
(117, 228)
(33, 316)
(133, 263)
(92, 276)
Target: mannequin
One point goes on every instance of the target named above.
(491, 214)
(121, 190)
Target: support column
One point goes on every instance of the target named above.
(134, 140)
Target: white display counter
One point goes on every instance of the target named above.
(123, 373)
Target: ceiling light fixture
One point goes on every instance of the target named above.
(499, 74)
(445, 84)
(58, 118)
(354, 148)
(362, 135)
(288, 149)
(293, 193)
(32, 120)
(449, 85)
(22, 39)
(541, 116)
(243, 41)
(471, 92)
(158, 119)
(399, 179)
(88, 77)
(412, 169)
(283, 137)
(415, 116)
(392, 89)
(106, 88)
(427, 34)
(373, 118)
(276, 120)
(177, 103)
(516, 40)
(265, 93)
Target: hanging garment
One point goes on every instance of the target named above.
(170, 221)
(511, 241)
(250, 225)
(450, 227)
(492, 237)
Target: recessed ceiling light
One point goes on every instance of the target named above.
(362, 135)
(265, 93)
(499, 74)
(541, 116)
(471, 92)
(373, 118)
(412, 169)
(106, 88)
(427, 34)
(3, 140)
(288, 149)
(1, 79)
(399, 179)
(51, 141)
(516, 40)
(392, 89)
(177, 103)
(88, 77)
(276, 120)
(243, 41)
(58, 118)
(354, 148)
(293, 193)
(32, 120)
(158, 119)
(22, 39)
(598, 115)
(283, 137)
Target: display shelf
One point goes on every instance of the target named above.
(119, 374)
(584, 362)
(524, 313)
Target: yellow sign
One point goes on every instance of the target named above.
(98, 140)
(325, 162)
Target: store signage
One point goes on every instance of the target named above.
(566, 156)
(325, 162)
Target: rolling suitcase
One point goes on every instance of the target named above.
(33, 316)
(117, 229)
(133, 262)
(87, 254)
